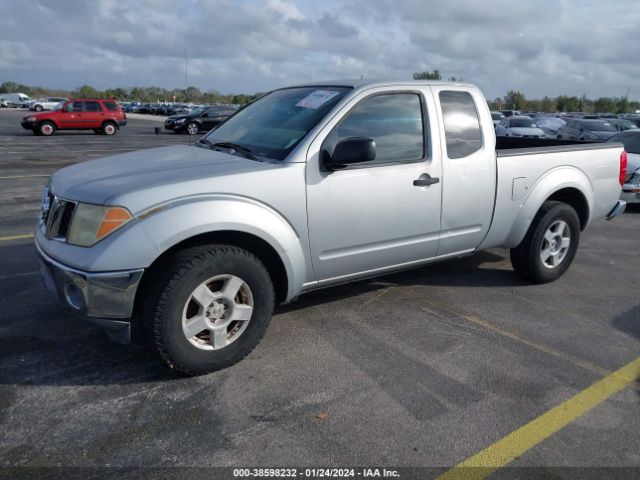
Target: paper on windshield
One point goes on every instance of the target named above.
(316, 99)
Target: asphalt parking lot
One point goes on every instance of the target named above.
(423, 368)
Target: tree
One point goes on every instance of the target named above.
(547, 105)
(567, 104)
(87, 91)
(435, 75)
(515, 100)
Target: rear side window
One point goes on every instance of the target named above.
(111, 106)
(92, 107)
(393, 121)
(461, 124)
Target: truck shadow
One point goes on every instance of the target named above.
(41, 345)
(628, 322)
(483, 269)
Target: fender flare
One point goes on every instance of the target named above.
(551, 182)
(162, 227)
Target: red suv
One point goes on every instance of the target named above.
(100, 115)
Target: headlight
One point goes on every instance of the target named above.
(92, 223)
(30, 118)
(181, 120)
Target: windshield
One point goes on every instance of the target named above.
(274, 124)
(497, 116)
(522, 123)
(197, 110)
(550, 122)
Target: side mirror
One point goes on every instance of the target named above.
(349, 151)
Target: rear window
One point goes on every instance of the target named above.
(461, 124)
(111, 106)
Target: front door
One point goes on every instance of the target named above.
(371, 217)
(93, 115)
(72, 115)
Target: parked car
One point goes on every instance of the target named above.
(48, 103)
(18, 100)
(580, 129)
(5, 103)
(510, 113)
(631, 141)
(199, 119)
(496, 117)
(519, 126)
(622, 124)
(100, 115)
(194, 244)
(550, 125)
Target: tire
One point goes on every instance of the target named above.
(210, 273)
(46, 128)
(38, 108)
(554, 236)
(109, 128)
(193, 128)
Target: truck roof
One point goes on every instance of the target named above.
(360, 83)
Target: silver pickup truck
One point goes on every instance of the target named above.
(190, 247)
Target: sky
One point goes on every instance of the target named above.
(540, 47)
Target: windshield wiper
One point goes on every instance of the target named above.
(233, 146)
(205, 142)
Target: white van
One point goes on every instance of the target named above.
(19, 100)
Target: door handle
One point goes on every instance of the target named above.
(425, 180)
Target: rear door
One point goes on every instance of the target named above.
(93, 114)
(468, 168)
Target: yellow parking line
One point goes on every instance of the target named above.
(16, 237)
(508, 448)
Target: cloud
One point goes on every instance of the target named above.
(540, 48)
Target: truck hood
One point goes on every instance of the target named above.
(96, 181)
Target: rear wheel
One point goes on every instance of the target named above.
(38, 108)
(550, 245)
(46, 128)
(210, 308)
(109, 128)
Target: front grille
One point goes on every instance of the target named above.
(58, 219)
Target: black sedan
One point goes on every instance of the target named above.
(199, 119)
(580, 129)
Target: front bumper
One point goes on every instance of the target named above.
(105, 299)
(28, 125)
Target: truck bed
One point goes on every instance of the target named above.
(511, 146)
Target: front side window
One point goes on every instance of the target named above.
(75, 107)
(274, 124)
(461, 124)
(393, 121)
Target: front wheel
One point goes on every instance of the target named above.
(210, 308)
(38, 108)
(109, 128)
(46, 128)
(193, 128)
(550, 245)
